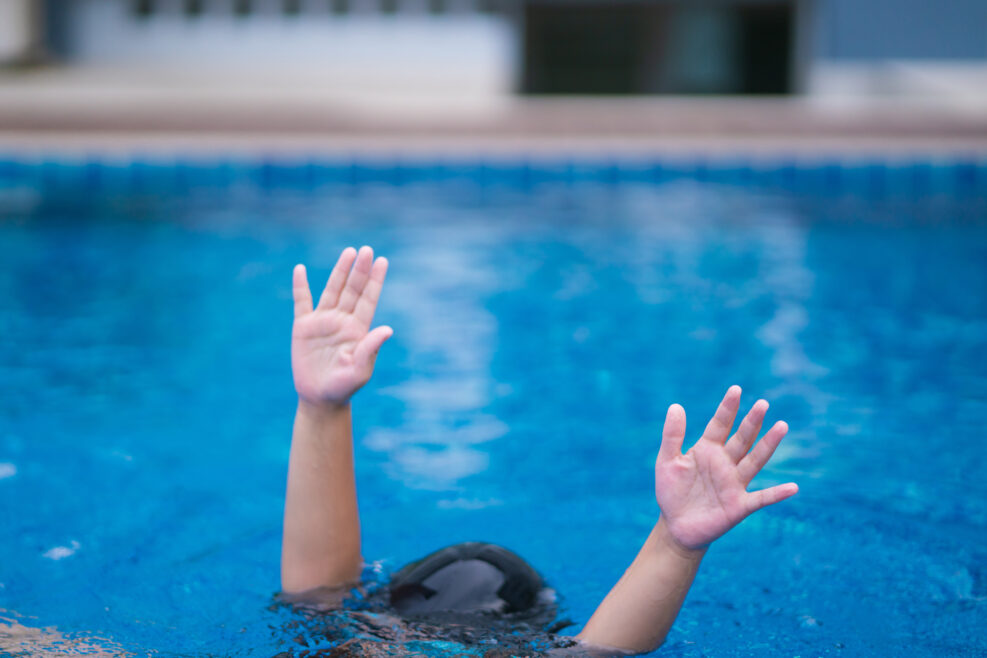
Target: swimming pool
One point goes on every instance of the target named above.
(546, 312)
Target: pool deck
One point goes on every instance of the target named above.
(123, 111)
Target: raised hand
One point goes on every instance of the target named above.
(703, 493)
(333, 350)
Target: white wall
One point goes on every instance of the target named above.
(463, 48)
(16, 30)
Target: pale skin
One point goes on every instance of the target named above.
(701, 493)
(333, 352)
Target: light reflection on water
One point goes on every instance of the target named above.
(436, 444)
(539, 337)
(450, 270)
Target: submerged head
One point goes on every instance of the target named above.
(472, 577)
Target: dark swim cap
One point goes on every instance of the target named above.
(467, 577)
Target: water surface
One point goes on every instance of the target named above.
(540, 333)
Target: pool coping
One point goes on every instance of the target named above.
(119, 109)
(127, 145)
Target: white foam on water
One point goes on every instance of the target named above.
(7, 470)
(60, 552)
(468, 503)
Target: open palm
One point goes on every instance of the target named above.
(333, 350)
(703, 493)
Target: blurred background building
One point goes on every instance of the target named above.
(817, 47)
(471, 57)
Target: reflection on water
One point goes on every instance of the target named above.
(18, 637)
(437, 443)
(539, 336)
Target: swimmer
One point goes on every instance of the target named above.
(701, 494)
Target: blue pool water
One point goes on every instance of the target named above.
(545, 316)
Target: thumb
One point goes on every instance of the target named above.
(673, 434)
(366, 350)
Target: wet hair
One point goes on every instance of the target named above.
(472, 577)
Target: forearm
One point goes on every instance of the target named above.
(321, 542)
(639, 611)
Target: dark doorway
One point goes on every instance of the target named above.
(657, 48)
(766, 48)
(582, 49)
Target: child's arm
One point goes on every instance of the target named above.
(333, 353)
(701, 494)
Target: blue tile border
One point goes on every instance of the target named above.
(959, 177)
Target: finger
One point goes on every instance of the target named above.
(367, 304)
(357, 280)
(741, 442)
(755, 460)
(337, 278)
(673, 434)
(720, 425)
(760, 499)
(300, 292)
(366, 350)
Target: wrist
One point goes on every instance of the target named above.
(323, 410)
(666, 540)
